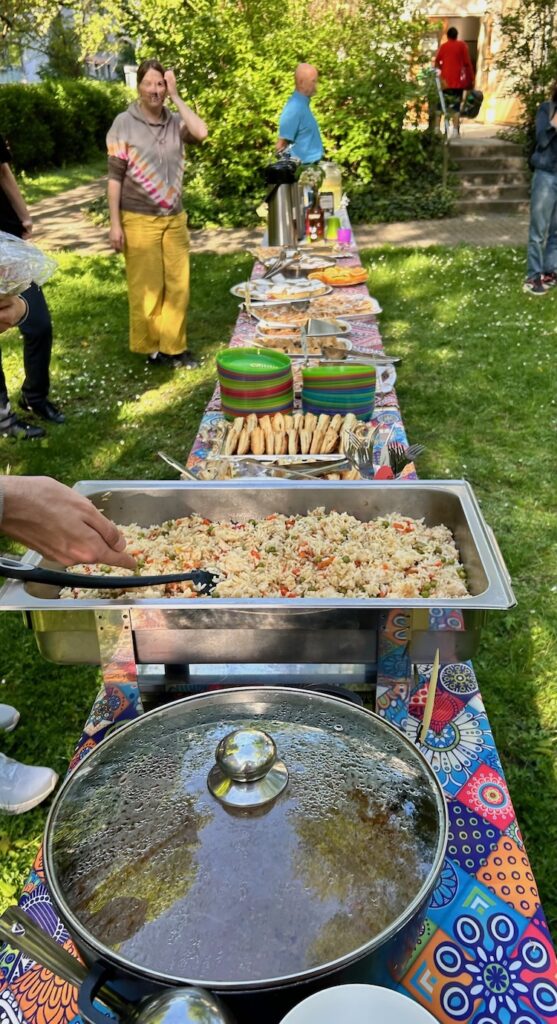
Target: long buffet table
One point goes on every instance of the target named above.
(485, 955)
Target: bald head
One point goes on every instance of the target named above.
(305, 78)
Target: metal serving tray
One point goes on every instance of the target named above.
(312, 630)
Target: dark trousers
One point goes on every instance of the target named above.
(37, 347)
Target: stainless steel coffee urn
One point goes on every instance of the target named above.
(285, 217)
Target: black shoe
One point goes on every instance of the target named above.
(183, 359)
(186, 360)
(44, 409)
(23, 431)
(534, 285)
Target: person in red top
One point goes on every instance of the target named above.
(457, 74)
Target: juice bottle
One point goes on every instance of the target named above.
(331, 187)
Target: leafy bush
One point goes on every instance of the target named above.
(420, 200)
(238, 73)
(403, 195)
(58, 122)
(529, 61)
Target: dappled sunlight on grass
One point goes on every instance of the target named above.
(478, 386)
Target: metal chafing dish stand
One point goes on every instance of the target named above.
(325, 637)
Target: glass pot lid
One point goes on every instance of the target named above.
(245, 836)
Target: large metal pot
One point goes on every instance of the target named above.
(303, 856)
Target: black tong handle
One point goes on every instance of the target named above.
(13, 569)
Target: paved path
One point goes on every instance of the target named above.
(60, 223)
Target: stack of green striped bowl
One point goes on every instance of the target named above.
(339, 389)
(254, 380)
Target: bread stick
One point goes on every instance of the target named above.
(251, 422)
(292, 442)
(298, 420)
(336, 422)
(329, 442)
(323, 422)
(278, 423)
(305, 441)
(243, 442)
(310, 421)
(265, 423)
(257, 441)
(231, 442)
(281, 443)
(269, 442)
(316, 442)
(288, 422)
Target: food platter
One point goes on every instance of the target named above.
(299, 435)
(345, 306)
(306, 261)
(340, 277)
(331, 307)
(266, 254)
(280, 292)
(287, 338)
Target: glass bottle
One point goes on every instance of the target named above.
(315, 220)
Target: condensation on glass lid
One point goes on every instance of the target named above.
(171, 881)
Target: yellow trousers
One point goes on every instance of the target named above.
(158, 274)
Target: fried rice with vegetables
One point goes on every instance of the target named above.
(321, 554)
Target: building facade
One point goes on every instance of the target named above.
(477, 22)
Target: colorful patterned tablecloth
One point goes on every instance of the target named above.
(485, 955)
(365, 335)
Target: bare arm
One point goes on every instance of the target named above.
(116, 235)
(194, 125)
(62, 525)
(11, 188)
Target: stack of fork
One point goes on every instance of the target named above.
(393, 456)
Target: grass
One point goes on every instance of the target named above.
(477, 386)
(43, 184)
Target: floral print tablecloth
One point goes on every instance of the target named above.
(485, 955)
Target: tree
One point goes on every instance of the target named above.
(24, 23)
(235, 61)
(529, 57)
(62, 50)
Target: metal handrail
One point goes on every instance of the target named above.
(445, 148)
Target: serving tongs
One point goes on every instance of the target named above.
(359, 355)
(281, 264)
(14, 569)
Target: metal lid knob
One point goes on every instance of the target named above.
(247, 773)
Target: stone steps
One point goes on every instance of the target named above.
(495, 190)
(481, 206)
(494, 147)
(514, 177)
(487, 163)
(493, 177)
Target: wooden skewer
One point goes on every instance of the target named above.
(428, 712)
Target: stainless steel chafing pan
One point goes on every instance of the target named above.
(318, 630)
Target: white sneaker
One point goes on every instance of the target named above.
(23, 786)
(9, 717)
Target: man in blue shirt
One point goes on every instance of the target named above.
(297, 126)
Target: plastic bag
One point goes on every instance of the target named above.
(22, 263)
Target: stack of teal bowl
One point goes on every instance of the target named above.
(339, 389)
(254, 380)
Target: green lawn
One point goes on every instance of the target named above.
(43, 184)
(477, 386)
